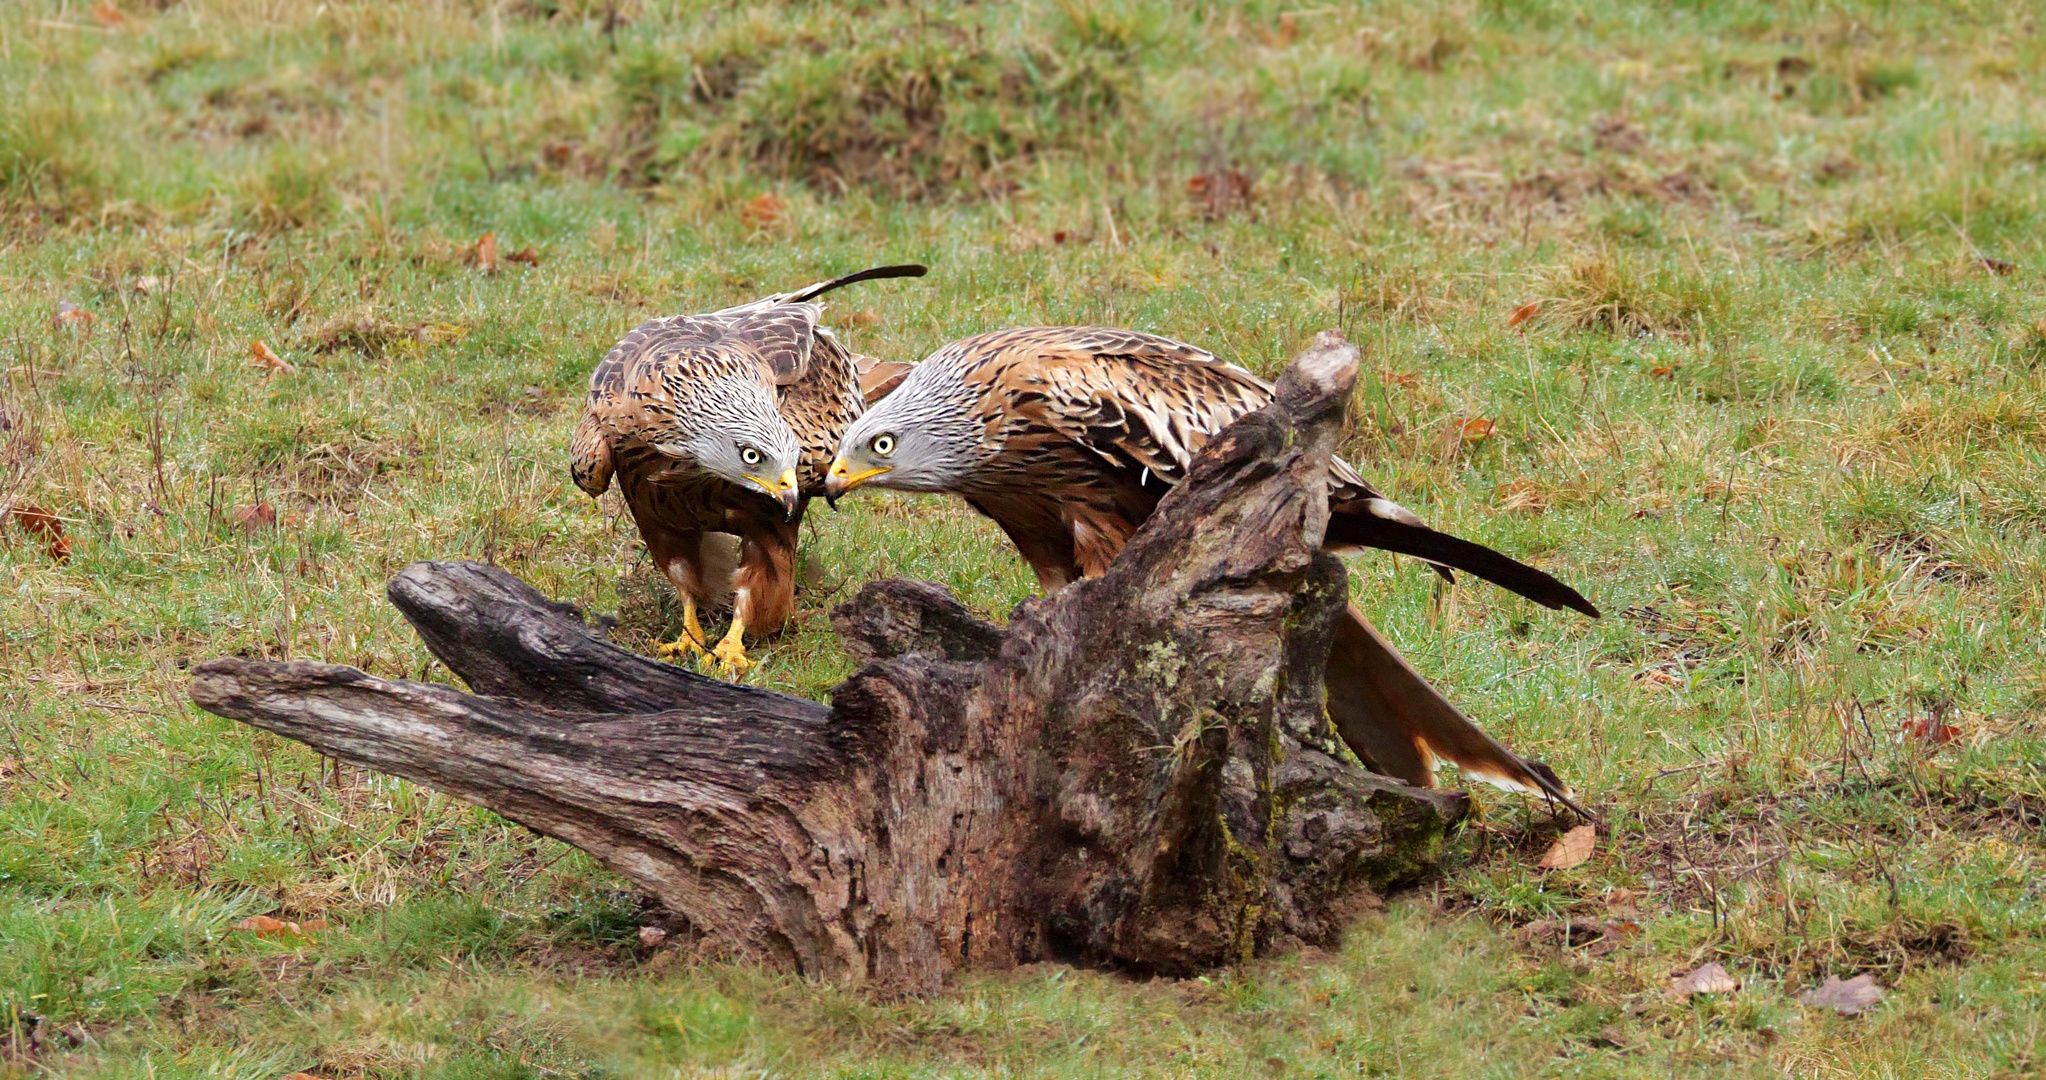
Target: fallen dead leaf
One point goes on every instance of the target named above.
(1221, 191)
(524, 255)
(1660, 676)
(71, 316)
(265, 926)
(1475, 430)
(1707, 979)
(1850, 998)
(146, 284)
(107, 15)
(45, 526)
(763, 210)
(652, 937)
(254, 519)
(861, 320)
(265, 359)
(1931, 730)
(1521, 497)
(1523, 313)
(1667, 371)
(1571, 849)
(299, 1076)
(483, 254)
(1999, 267)
(1405, 380)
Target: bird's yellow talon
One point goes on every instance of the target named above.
(690, 644)
(682, 648)
(731, 656)
(731, 652)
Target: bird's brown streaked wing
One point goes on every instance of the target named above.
(878, 377)
(589, 455)
(781, 338)
(619, 387)
(782, 328)
(1138, 401)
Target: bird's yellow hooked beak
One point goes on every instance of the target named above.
(784, 489)
(842, 479)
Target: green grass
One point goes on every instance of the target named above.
(1774, 412)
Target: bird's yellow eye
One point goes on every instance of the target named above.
(883, 445)
(750, 456)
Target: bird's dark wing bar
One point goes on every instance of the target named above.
(1353, 524)
(871, 274)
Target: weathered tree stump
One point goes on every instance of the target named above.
(1138, 772)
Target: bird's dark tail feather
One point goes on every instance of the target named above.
(822, 287)
(1400, 726)
(1361, 528)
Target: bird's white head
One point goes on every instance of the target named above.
(733, 430)
(921, 437)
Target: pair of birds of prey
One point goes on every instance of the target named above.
(1067, 437)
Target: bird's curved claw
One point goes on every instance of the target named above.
(831, 501)
(732, 659)
(680, 649)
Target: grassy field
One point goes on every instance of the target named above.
(1778, 409)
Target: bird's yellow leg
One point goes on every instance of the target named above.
(731, 652)
(691, 641)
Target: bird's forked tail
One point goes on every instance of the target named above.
(1400, 726)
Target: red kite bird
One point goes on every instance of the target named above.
(724, 423)
(1069, 436)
